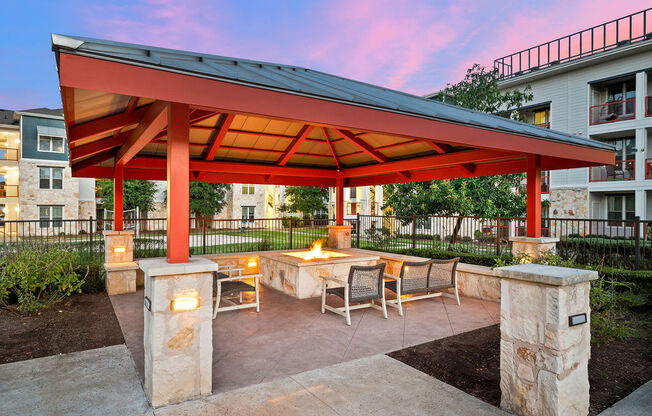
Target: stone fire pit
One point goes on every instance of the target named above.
(288, 272)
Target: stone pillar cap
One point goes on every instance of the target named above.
(540, 240)
(547, 275)
(118, 232)
(340, 226)
(161, 267)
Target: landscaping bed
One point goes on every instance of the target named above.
(471, 362)
(79, 322)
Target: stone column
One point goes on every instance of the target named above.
(534, 246)
(543, 358)
(178, 343)
(119, 262)
(339, 236)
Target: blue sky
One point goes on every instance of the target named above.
(415, 46)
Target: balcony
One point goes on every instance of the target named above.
(648, 168)
(623, 170)
(613, 111)
(545, 182)
(8, 153)
(546, 125)
(8, 191)
(648, 106)
(613, 34)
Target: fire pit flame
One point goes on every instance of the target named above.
(315, 252)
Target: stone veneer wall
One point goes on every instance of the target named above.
(569, 203)
(30, 196)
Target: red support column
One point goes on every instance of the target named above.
(118, 191)
(534, 196)
(339, 200)
(178, 182)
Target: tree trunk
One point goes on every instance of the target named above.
(456, 230)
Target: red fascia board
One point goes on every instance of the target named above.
(120, 78)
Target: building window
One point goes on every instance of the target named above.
(542, 118)
(620, 208)
(52, 144)
(351, 208)
(50, 178)
(50, 216)
(353, 193)
(248, 189)
(248, 213)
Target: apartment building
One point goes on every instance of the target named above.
(595, 83)
(363, 200)
(35, 176)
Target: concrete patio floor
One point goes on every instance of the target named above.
(291, 336)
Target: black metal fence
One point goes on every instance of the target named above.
(616, 243)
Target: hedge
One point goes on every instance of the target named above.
(488, 260)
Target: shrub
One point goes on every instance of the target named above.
(470, 258)
(263, 245)
(36, 277)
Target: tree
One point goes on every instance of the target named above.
(482, 196)
(207, 199)
(135, 194)
(305, 199)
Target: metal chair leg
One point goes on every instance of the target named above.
(457, 296)
(217, 299)
(346, 305)
(323, 296)
(384, 306)
(398, 297)
(257, 294)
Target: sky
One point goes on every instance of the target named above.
(416, 46)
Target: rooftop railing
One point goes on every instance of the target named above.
(624, 31)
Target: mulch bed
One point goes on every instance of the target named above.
(80, 322)
(471, 362)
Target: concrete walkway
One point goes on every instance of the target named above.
(376, 385)
(638, 403)
(102, 381)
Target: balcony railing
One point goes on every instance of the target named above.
(648, 106)
(8, 191)
(648, 168)
(613, 111)
(8, 153)
(623, 170)
(546, 125)
(613, 34)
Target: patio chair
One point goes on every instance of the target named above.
(228, 286)
(430, 277)
(364, 284)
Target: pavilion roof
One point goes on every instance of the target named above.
(247, 112)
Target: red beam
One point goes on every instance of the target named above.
(104, 125)
(534, 196)
(469, 167)
(339, 200)
(178, 181)
(91, 161)
(131, 105)
(218, 135)
(93, 148)
(330, 146)
(439, 148)
(294, 145)
(120, 78)
(264, 134)
(118, 191)
(68, 102)
(426, 162)
(362, 145)
(153, 121)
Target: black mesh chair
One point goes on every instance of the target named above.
(227, 286)
(364, 284)
(431, 278)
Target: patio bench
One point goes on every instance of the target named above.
(227, 285)
(430, 277)
(364, 283)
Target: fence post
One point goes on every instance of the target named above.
(637, 239)
(90, 235)
(414, 231)
(357, 231)
(290, 237)
(203, 235)
(498, 235)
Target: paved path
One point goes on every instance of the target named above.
(101, 381)
(290, 336)
(376, 385)
(639, 403)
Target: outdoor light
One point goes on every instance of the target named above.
(184, 304)
(119, 249)
(252, 263)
